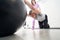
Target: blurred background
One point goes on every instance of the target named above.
(52, 9)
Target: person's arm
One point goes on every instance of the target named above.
(31, 6)
(28, 4)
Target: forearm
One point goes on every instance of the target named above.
(37, 11)
(31, 6)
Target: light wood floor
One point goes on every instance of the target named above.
(37, 34)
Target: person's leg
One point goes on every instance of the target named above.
(45, 22)
(40, 25)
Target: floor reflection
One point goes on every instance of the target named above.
(44, 34)
(28, 34)
(13, 37)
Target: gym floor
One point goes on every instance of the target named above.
(36, 34)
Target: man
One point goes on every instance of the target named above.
(42, 18)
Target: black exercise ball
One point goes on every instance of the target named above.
(12, 16)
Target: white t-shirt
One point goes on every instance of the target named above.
(29, 22)
(40, 17)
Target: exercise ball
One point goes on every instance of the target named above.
(12, 16)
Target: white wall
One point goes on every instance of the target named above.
(52, 9)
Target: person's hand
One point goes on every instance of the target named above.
(36, 11)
